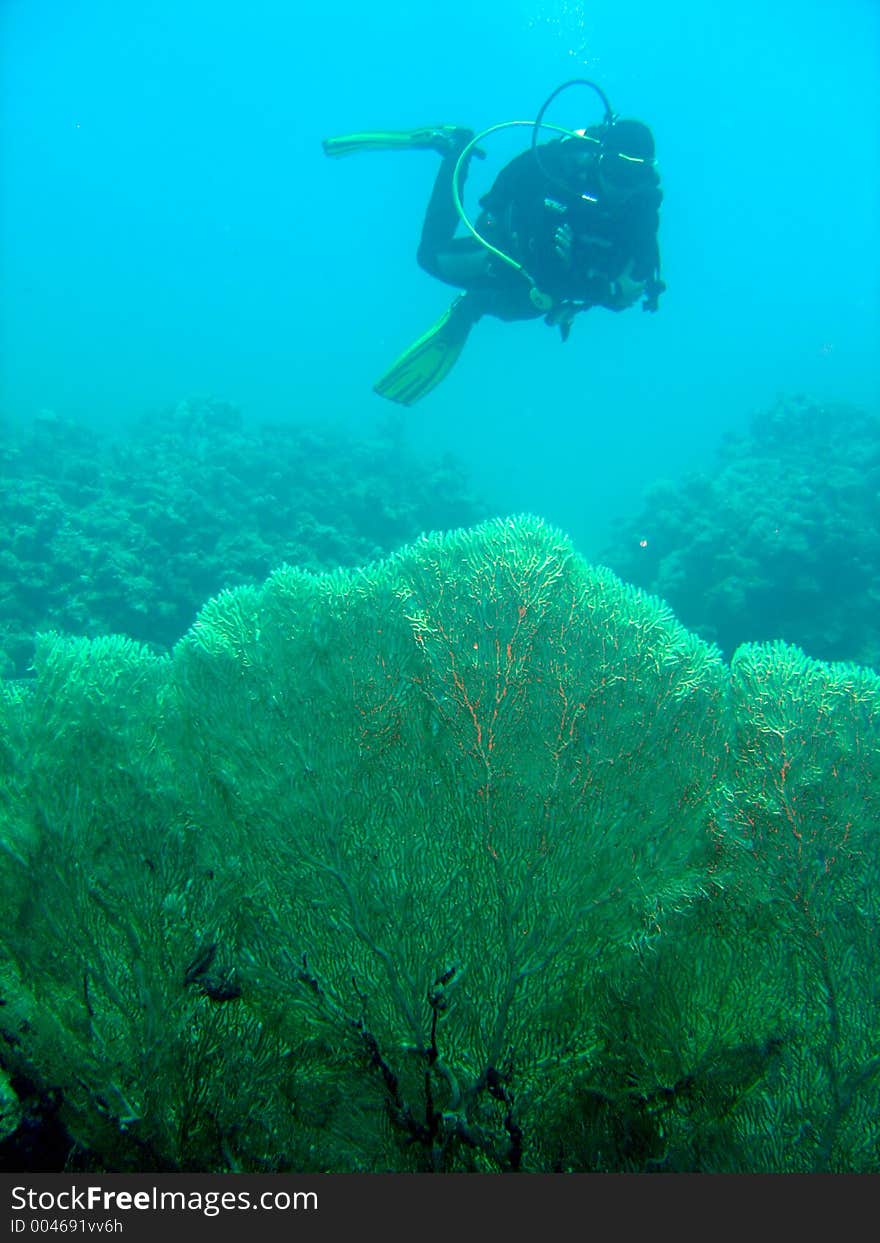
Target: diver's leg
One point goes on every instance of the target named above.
(460, 261)
(440, 138)
(492, 289)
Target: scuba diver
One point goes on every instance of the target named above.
(569, 224)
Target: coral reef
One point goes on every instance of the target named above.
(131, 533)
(473, 859)
(780, 541)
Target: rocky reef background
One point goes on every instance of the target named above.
(779, 540)
(131, 533)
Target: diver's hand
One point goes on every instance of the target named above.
(653, 289)
(563, 244)
(562, 316)
(625, 291)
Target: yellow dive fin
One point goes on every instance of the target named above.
(440, 138)
(430, 359)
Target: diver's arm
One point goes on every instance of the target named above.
(595, 289)
(638, 277)
(645, 265)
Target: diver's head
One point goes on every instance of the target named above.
(626, 164)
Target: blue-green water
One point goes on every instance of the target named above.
(170, 225)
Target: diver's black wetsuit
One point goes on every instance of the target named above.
(521, 215)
